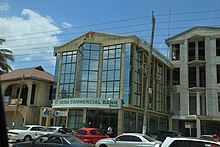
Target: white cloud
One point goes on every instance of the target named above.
(4, 7)
(26, 59)
(31, 35)
(66, 25)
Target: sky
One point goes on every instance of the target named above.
(32, 28)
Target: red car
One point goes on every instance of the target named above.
(90, 135)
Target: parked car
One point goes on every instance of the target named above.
(163, 134)
(188, 142)
(53, 140)
(207, 137)
(25, 133)
(53, 130)
(90, 135)
(128, 140)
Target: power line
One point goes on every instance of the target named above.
(117, 21)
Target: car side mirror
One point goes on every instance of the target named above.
(114, 139)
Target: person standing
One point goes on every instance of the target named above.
(215, 138)
(109, 131)
(63, 129)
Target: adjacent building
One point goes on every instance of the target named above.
(25, 91)
(101, 81)
(195, 55)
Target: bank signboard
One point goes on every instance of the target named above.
(87, 103)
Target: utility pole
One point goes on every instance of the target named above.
(148, 84)
(17, 105)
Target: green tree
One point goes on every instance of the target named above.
(5, 56)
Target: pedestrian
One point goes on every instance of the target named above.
(109, 131)
(63, 129)
(215, 138)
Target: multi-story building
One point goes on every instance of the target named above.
(101, 81)
(25, 91)
(195, 55)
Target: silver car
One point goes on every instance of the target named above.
(128, 140)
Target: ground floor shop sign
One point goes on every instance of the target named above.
(87, 103)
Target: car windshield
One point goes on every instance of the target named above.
(73, 140)
(49, 130)
(24, 128)
(149, 138)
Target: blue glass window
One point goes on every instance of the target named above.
(111, 71)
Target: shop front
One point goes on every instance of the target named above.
(88, 112)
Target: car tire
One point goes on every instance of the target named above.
(103, 145)
(27, 138)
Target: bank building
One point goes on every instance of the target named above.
(101, 80)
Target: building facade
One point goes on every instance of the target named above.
(25, 91)
(195, 105)
(101, 81)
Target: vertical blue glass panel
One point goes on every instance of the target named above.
(85, 75)
(111, 64)
(127, 72)
(92, 87)
(84, 86)
(105, 54)
(111, 53)
(104, 75)
(104, 64)
(86, 46)
(93, 76)
(86, 54)
(94, 55)
(93, 65)
(86, 65)
(95, 47)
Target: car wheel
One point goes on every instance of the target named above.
(91, 143)
(27, 138)
(103, 145)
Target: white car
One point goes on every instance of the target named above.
(128, 140)
(188, 142)
(26, 133)
(53, 130)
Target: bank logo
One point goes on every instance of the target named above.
(90, 36)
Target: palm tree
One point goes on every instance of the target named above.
(5, 55)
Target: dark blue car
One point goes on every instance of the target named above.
(163, 134)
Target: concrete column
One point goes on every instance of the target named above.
(84, 117)
(198, 127)
(67, 117)
(170, 123)
(120, 121)
(198, 103)
(29, 85)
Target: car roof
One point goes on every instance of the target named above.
(88, 129)
(33, 126)
(190, 139)
(168, 131)
(54, 127)
(136, 134)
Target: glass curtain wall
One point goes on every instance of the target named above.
(111, 71)
(127, 67)
(137, 79)
(68, 67)
(87, 74)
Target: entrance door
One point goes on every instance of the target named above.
(103, 119)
